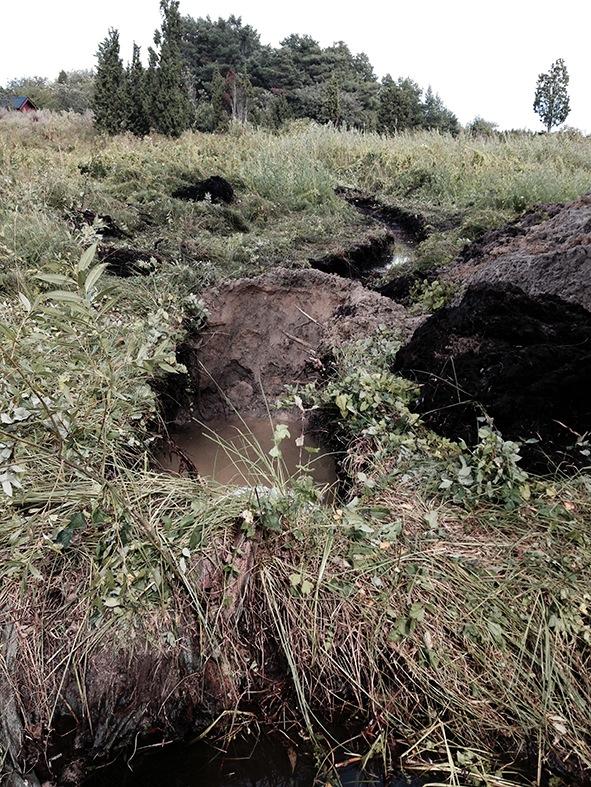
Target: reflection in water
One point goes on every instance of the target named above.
(237, 451)
(401, 254)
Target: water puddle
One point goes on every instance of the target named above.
(401, 254)
(265, 765)
(239, 451)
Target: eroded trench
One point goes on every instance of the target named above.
(521, 360)
(383, 259)
(262, 335)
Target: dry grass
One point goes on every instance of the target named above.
(447, 638)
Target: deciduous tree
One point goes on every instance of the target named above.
(551, 101)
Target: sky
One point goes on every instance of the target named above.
(483, 58)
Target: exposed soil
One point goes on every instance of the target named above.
(272, 331)
(106, 226)
(216, 188)
(546, 251)
(525, 360)
(126, 261)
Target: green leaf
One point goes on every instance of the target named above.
(307, 587)
(94, 276)
(280, 433)
(57, 279)
(87, 258)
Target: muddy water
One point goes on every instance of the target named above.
(264, 765)
(237, 452)
(401, 253)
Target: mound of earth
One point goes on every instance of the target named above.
(272, 331)
(215, 188)
(126, 261)
(525, 360)
(546, 251)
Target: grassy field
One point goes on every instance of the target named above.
(451, 620)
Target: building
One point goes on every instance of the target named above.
(18, 104)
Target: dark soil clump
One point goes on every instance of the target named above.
(545, 252)
(125, 261)
(525, 361)
(106, 226)
(218, 189)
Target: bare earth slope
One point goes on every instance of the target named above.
(545, 252)
(272, 331)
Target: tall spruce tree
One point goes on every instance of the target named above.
(109, 85)
(137, 120)
(437, 116)
(551, 101)
(399, 105)
(171, 108)
(219, 102)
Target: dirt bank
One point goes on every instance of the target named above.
(545, 252)
(272, 331)
(525, 360)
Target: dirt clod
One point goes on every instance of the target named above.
(525, 360)
(126, 261)
(218, 189)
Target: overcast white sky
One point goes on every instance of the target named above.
(482, 56)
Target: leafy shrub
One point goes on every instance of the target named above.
(490, 469)
(431, 296)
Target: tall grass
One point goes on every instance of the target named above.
(455, 636)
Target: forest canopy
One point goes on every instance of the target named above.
(230, 75)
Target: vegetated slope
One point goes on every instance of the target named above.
(546, 251)
(138, 606)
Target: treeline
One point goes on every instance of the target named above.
(72, 91)
(235, 76)
(207, 74)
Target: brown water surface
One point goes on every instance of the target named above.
(236, 452)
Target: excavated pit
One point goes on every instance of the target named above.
(272, 331)
(523, 359)
(262, 335)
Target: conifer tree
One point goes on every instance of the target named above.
(151, 81)
(332, 100)
(109, 85)
(551, 101)
(171, 109)
(137, 120)
(218, 101)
